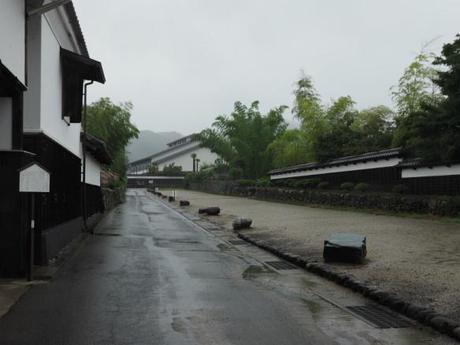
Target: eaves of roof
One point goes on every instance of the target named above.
(97, 148)
(158, 154)
(176, 154)
(75, 23)
(180, 139)
(368, 156)
(415, 163)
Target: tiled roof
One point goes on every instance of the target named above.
(415, 163)
(97, 148)
(368, 156)
(169, 149)
(72, 14)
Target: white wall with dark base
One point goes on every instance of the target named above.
(93, 171)
(12, 37)
(186, 162)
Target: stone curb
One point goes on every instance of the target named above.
(427, 316)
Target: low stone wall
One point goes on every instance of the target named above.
(436, 205)
(113, 197)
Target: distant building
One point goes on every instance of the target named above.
(179, 153)
(382, 169)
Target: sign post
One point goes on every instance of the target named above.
(33, 178)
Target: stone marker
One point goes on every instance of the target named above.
(184, 203)
(210, 211)
(242, 223)
(345, 248)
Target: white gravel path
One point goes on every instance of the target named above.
(419, 259)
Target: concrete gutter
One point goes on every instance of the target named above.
(424, 315)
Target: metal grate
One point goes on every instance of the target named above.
(281, 265)
(379, 317)
(106, 234)
(237, 242)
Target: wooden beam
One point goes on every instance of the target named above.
(45, 8)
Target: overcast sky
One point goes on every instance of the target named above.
(182, 62)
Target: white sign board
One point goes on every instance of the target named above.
(34, 179)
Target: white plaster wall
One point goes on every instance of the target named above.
(51, 122)
(186, 162)
(6, 123)
(435, 171)
(189, 146)
(93, 171)
(343, 168)
(12, 37)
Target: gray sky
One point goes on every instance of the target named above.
(182, 62)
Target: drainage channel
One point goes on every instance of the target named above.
(106, 234)
(379, 317)
(281, 265)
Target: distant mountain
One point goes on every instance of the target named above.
(149, 143)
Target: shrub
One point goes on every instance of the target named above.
(294, 184)
(306, 183)
(347, 186)
(263, 182)
(323, 185)
(172, 170)
(400, 189)
(281, 183)
(246, 183)
(118, 183)
(362, 187)
(311, 182)
(235, 173)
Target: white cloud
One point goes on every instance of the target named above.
(183, 62)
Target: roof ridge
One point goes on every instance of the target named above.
(340, 160)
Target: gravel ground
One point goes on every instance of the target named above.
(419, 259)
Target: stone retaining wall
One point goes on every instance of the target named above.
(113, 197)
(436, 205)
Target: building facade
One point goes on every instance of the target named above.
(381, 169)
(13, 236)
(185, 152)
(44, 66)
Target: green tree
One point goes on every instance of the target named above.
(334, 130)
(242, 138)
(375, 127)
(291, 148)
(311, 113)
(415, 90)
(433, 133)
(337, 138)
(153, 169)
(416, 86)
(112, 124)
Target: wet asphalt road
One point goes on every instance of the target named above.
(151, 277)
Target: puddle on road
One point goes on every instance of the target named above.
(314, 307)
(308, 283)
(223, 247)
(178, 325)
(253, 271)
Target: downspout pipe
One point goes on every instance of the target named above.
(83, 190)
